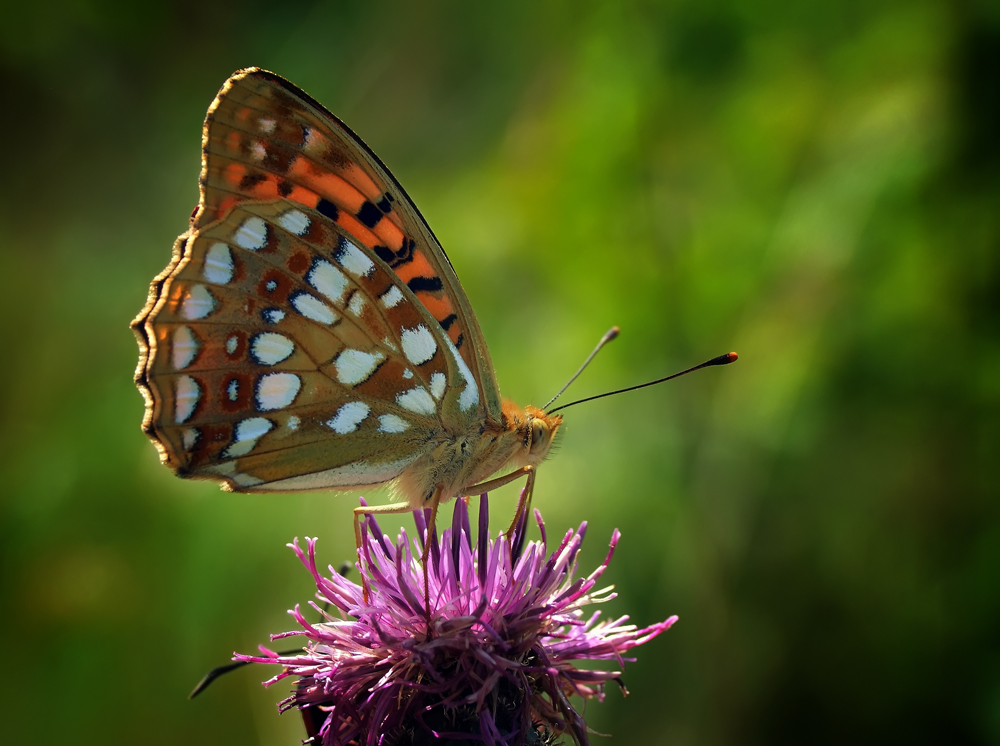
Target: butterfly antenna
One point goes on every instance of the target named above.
(729, 357)
(608, 336)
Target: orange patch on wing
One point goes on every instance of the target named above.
(303, 196)
(391, 235)
(234, 173)
(440, 308)
(418, 266)
(225, 205)
(176, 295)
(266, 189)
(327, 184)
(233, 140)
(243, 114)
(353, 226)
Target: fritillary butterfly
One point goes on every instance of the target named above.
(310, 331)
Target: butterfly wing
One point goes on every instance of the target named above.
(264, 138)
(309, 331)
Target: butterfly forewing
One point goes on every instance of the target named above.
(265, 139)
(284, 355)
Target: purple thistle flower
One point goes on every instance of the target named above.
(492, 661)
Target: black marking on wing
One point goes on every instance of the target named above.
(369, 214)
(352, 135)
(396, 258)
(249, 181)
(431, 284)
(326, 207)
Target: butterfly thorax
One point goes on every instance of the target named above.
(523, 437)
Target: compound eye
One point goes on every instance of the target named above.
(538, 433)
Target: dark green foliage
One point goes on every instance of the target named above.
(815, 185)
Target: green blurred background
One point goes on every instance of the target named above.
(815, 185)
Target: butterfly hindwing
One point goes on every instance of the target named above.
(281, 354)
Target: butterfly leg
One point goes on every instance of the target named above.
(374, 510)
(523, 504)
(524, 500)
(492, 484)
(431, 536)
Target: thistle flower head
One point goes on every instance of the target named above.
(491, 658)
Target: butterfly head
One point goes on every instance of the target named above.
(540, 431)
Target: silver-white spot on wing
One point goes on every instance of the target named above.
(417, 400)
(470, 394)
(186, 395)
(233, 390)
(189, 438)
(353, 259)
(232, 343)
(271, 348)
(391, 297)
(184, 347)
(438, 384)
(348, 417)
(419, 344)
(198, 303)
(313, 308)
(294, 221)
(356, 366)
(277, 390)
(252, 234)
(258, 151)
(390, 423)
(219, 266)
(328, 280)
(252, 428)
(357, 304)
(245, 435)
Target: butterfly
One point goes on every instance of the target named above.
(310, 331)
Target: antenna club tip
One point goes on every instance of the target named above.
(611, 333)
(729, 357)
